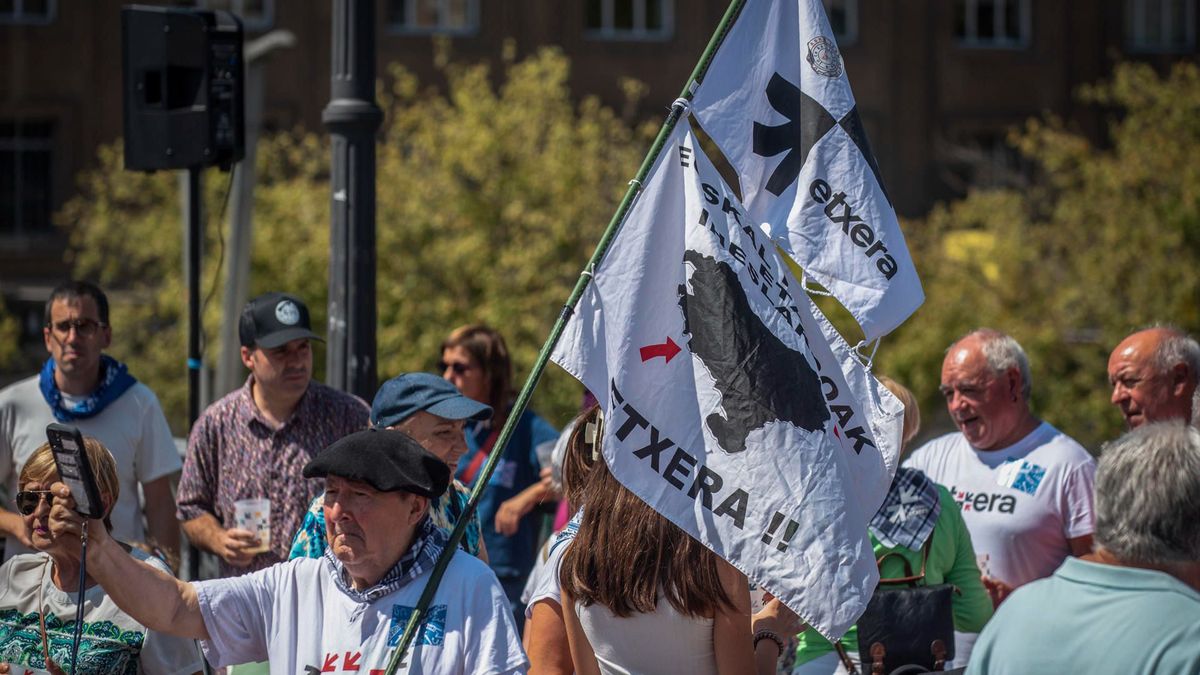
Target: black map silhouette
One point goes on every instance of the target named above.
(760, 379)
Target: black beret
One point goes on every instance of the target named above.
(388, 460)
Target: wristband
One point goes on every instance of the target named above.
(771, 635)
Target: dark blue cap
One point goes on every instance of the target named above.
(405, 395)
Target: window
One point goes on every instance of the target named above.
(1161, 25)
(256, 15)
(843, 19)
(629, 19)
(424, 17)
(992, 23)
(981, 158)
(25, 178)
(35, 12)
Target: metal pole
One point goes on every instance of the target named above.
(193, 236)
(352, 118)
(229, 374)
(614, 225)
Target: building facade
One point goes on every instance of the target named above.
(938, 82)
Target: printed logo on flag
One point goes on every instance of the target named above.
(823, 56)
(1021, 475)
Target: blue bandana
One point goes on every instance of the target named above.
(114, 381)
(422, 555)
(909, 511)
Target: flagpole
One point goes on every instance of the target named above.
(535, 374)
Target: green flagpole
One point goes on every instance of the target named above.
(535, 375)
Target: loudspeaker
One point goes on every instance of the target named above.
(183, 88)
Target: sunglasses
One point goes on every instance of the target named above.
(83, 327)
(458, 367)
(28, 500)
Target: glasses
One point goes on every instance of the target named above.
(459, 368)
(83, 327)
(28, 500)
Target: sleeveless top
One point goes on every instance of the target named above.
(663, 641)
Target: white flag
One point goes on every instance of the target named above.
(777, 102)
(726, 409)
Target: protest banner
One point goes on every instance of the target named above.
(726, 408)
(857, 462)
(777, 101)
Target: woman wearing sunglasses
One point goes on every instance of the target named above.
(476, 360)
(39, 592)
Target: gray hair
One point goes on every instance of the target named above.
(1147, 492)
(1002, 352)
(1175, 348)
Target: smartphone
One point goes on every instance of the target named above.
(74, 469)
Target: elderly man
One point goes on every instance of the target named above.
(1133, 606)
(82, 386)
(254, 442)
(344, 611)
(433, 412)
(1153, 375)
(1024, 487)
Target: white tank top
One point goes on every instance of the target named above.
(663, 641)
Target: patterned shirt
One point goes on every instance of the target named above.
(310, 541)
(234, 453)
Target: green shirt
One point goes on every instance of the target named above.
(951, 561)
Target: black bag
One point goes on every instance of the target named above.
(906, 624)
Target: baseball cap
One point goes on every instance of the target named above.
(274, 319)
(387, 460)
(404, 395)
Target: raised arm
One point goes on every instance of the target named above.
(154, 598)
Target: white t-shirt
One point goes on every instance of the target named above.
(133, 428)
(1021, 503)
(543, 583)
(294, 615)
(662, 641)
(113, 643)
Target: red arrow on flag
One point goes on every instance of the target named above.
(667, 350)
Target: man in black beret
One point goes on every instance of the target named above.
(344, 611)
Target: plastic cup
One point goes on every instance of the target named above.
(254, 515)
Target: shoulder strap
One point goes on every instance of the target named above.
(908, 578)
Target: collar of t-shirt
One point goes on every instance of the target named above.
(1018, 450)
(426, 547)
(1123, 578)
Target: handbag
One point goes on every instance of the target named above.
(905, 623)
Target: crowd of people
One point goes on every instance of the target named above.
(1058, 563)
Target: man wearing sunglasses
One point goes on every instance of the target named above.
(82, 386)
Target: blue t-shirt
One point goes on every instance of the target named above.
(1093, 618)
(518, 468)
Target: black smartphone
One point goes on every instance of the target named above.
(74, 469)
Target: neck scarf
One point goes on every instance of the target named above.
(427, 545)
(909, 511)
(114, 381)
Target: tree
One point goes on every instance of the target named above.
(1106, 240)
(490, 201)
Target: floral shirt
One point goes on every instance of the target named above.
(233, 453)
(310, 541)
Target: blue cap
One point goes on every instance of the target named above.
(405, 395)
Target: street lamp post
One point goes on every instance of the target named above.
(352, 118)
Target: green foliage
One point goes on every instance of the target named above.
(490, 200)
(1106, 240)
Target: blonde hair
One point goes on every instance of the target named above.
(40, 468)
(912, 412)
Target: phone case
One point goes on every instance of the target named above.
(66, 444)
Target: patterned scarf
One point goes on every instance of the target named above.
(909, 511)
(114, 381)
(426, 547)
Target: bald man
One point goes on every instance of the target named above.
(1153, 375)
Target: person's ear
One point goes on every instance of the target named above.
(1180, 377)
(418, 506)
(247, 357)
(1014, 383)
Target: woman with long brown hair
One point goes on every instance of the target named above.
(641, 596)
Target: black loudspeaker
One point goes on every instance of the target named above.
(183, 88)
